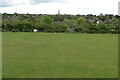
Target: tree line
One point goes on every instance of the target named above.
(107, 23)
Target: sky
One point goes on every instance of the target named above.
(74, 7)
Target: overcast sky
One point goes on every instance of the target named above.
(66, 6)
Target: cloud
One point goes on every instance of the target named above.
(5, 3)
(41, 1)
(8, 3)
(45, 1)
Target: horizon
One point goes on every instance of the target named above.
(60, 14)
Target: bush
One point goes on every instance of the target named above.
(60, 28)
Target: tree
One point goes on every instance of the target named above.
(102, 26)
(62, 23)
(60, 27)
(31, 19)
(81, 24)
(71, 23)
(92, 26)
(48, 20)
(6, 27)
(81, 20)
(59, 17)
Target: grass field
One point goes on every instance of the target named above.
(61, 55)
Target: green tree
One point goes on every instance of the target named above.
(31, 19)
(81, 20)
(60, 27)
(92, 26)
(48, 20)
(71, 23)
(102, 26)
(81, 24)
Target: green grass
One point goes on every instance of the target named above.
(62, 55)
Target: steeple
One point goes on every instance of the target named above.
(58, 11)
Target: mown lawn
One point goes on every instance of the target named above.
(61, 55)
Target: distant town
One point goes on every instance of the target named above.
(107, 23)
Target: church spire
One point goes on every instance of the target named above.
(58, 11)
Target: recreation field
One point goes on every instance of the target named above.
(59, 55)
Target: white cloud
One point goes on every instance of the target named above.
(20, 2)
(65, 6)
